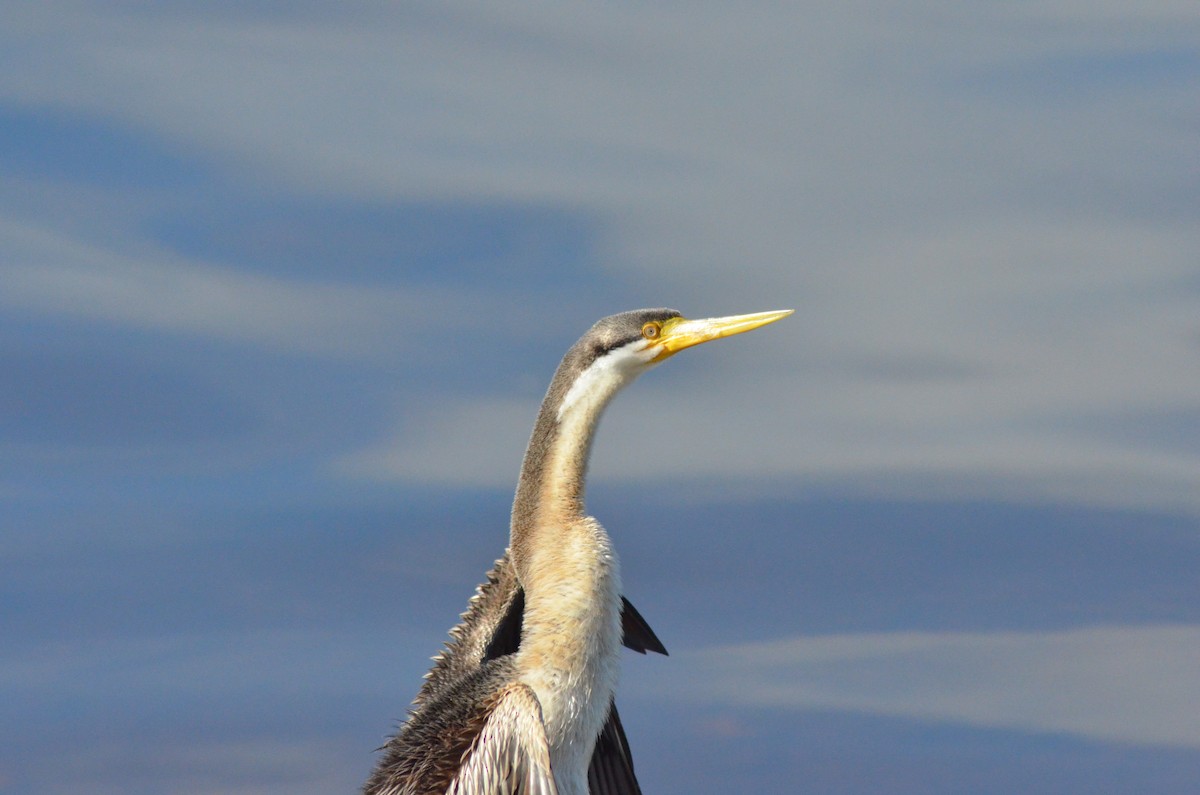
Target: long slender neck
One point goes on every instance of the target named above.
(550, 494)
(552, 486)
(571, 627)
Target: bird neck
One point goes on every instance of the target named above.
(552, 488)
(550, 493)
(571, 627)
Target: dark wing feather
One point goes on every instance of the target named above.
(491, 628)
(611, 769)
(507, 637)
(637, 634)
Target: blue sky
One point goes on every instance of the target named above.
(281, 289)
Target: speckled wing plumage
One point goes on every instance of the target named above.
(510, 755)
(450, 711)
(489, 628)
(484, 716)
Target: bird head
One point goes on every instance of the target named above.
(665, 337)
(620, 347)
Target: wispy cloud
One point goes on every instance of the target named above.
(1123, 684)
(985, 216)
(471, 444)
(986, 270)
(248, 766)
(929, 433)
(49, 272)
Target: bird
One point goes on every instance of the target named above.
(520, 701)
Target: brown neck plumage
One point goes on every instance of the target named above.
(550, 493)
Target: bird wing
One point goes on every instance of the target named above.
(491, 628)
(636, 633)
(510, 755)
(489, 623)
(611, 768)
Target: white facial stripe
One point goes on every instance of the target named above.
(607, 375)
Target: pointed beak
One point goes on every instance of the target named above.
(681, 333)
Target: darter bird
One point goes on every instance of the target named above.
(520, 700)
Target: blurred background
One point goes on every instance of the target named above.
(282, 285)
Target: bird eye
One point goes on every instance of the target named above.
(650, 330)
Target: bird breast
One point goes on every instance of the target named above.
(570, 643)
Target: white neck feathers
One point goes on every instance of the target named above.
(606, 376)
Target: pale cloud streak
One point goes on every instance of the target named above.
(975, 212)
(1125, 684)
(475, 444)
(48, 272)
(942, 381)
(735, 438)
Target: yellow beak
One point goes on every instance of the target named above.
(680, 333)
